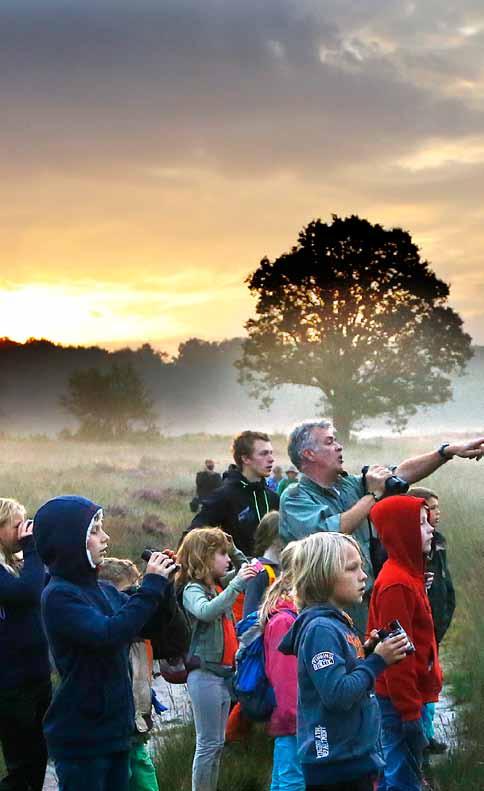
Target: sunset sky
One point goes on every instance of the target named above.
(152, 152)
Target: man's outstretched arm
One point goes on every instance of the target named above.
(418, 467)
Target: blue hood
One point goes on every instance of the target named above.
(60, 532)
(292, 640)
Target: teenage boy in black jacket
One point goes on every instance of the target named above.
(244, 498)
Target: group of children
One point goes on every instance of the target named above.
(331, 691)
(348, 716)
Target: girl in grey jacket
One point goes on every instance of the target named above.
(209, 593)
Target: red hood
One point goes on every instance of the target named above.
(397, 521)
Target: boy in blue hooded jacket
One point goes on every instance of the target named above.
(90, 625)
(338, 720)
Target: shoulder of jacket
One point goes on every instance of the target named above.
(284, 614)
(195, 586)
(405, 583)
(62, 589)
(330, 625)
(292, 492)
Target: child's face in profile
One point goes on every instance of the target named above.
(220, 564)
(434, 511)
(9, 533)
(350, 585)
(426, 531)
(97, 543)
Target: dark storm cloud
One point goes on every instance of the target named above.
(243, 88)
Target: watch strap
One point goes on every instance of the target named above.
(441, 451)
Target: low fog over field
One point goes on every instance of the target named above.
(197, 391)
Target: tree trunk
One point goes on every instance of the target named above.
(342, 420)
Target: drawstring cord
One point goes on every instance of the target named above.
(244, 483)
(257, 504)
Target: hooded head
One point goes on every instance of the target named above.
(61, 530)
(397, 521)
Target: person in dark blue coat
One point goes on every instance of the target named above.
(90, 625)
(25, 688)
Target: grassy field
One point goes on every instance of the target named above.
(145, 491)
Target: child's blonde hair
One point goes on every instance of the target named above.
(267, 532)
(118, 571)
(317, 562)
(8, 508)
(282, 586)
(196, 553)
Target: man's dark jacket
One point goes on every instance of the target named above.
(206, 482)
(237, 507)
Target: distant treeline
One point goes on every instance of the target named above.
(196, 391)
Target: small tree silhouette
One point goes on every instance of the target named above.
(106, 404)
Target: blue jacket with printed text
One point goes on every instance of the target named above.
(338, 721)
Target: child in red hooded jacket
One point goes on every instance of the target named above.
(399, 593)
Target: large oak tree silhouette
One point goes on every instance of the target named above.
(354, 311)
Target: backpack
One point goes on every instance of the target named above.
(252, 688)
(174, 634)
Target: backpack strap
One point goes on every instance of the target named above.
(270, 572)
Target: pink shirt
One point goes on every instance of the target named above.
(281, 670)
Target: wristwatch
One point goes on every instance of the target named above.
(442, 453)
(374, 496)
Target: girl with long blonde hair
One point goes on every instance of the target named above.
(277, 615)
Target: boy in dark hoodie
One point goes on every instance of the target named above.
(90, 625)
(244, 498)
(399, 593)
(338, 718)
(441, 595)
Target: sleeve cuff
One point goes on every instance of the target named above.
(155, 583)
(333, 523)
(27, 544)
(375, 664)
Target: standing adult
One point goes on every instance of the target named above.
(275, 479)
(25, 689)
(328, 498)
(291, 477)
(244, 498)
(207, 480)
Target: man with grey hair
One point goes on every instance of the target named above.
(327, 498)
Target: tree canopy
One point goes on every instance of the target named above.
(354, 311)
(107, 403)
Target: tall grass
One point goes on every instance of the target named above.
(246, 766)
(463, 522)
